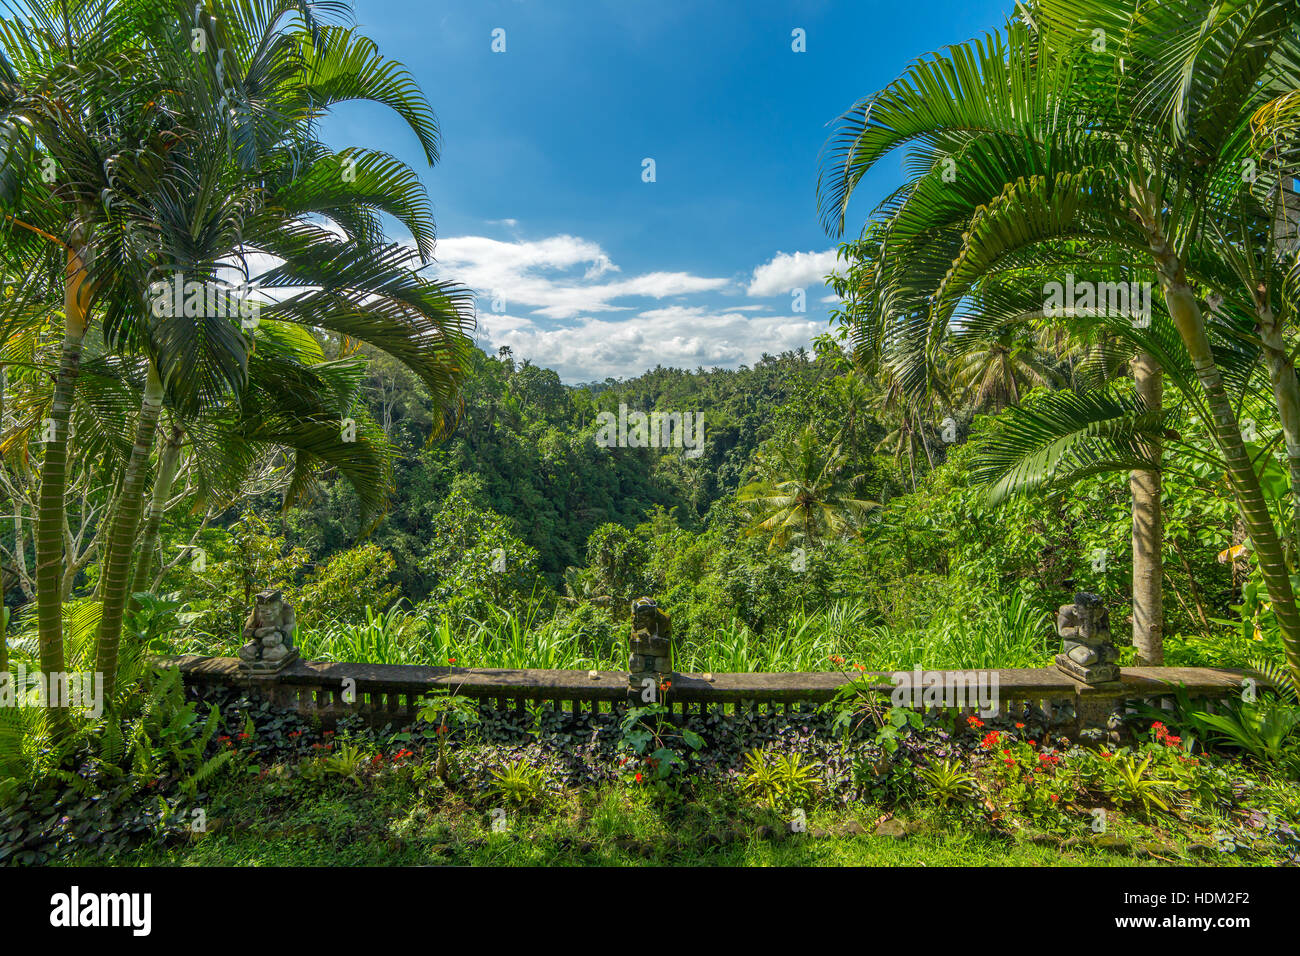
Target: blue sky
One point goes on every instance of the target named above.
(539, 198)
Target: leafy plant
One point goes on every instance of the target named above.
(518, 783)
(948, 782)
(1262, 729)
(661, 745)
(448, 713)
(783, 780)
(1128, 781)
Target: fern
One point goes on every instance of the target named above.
(190, 785)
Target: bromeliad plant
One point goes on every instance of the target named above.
(784, 781)
(948, 783)
(518, 783)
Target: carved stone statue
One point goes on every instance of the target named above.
(269, 634)
(651, 647)
(1087, 653)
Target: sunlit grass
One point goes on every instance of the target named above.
(1005, 633)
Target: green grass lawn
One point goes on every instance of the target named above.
(332, 823)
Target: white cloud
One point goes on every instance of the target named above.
(542, 275)
(678, 336)
(786, 271)
(566, 305)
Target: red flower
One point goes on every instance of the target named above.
(1054, 797)
(991, 740)
(451, 660)
(1020, 726)
(638, 778)
(974, 721)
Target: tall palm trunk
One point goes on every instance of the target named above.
(168, 462)
(54, 483)
(1148, 529)
(121, 536)
(1286, 394)
(1277, 357)
(1186, 313)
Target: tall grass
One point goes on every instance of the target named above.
(1003, 632)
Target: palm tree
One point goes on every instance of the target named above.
(996, 371)
(1154, 172)
(802, 492)
(258, 183)
(75, 94)
(290, 411)
(213, 161)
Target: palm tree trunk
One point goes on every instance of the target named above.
(1148, 530)
(1286, 393)
(162, 490)
(1253, 509)
(121, 536)
(54, 484)
(1277, 357)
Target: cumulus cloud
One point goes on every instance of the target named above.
(543, 275)
(786, 271)
(563, 303)
(679, 336)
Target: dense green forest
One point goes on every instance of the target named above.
(519, 523)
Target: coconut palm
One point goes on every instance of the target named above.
(994, 372)
(803, 492)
